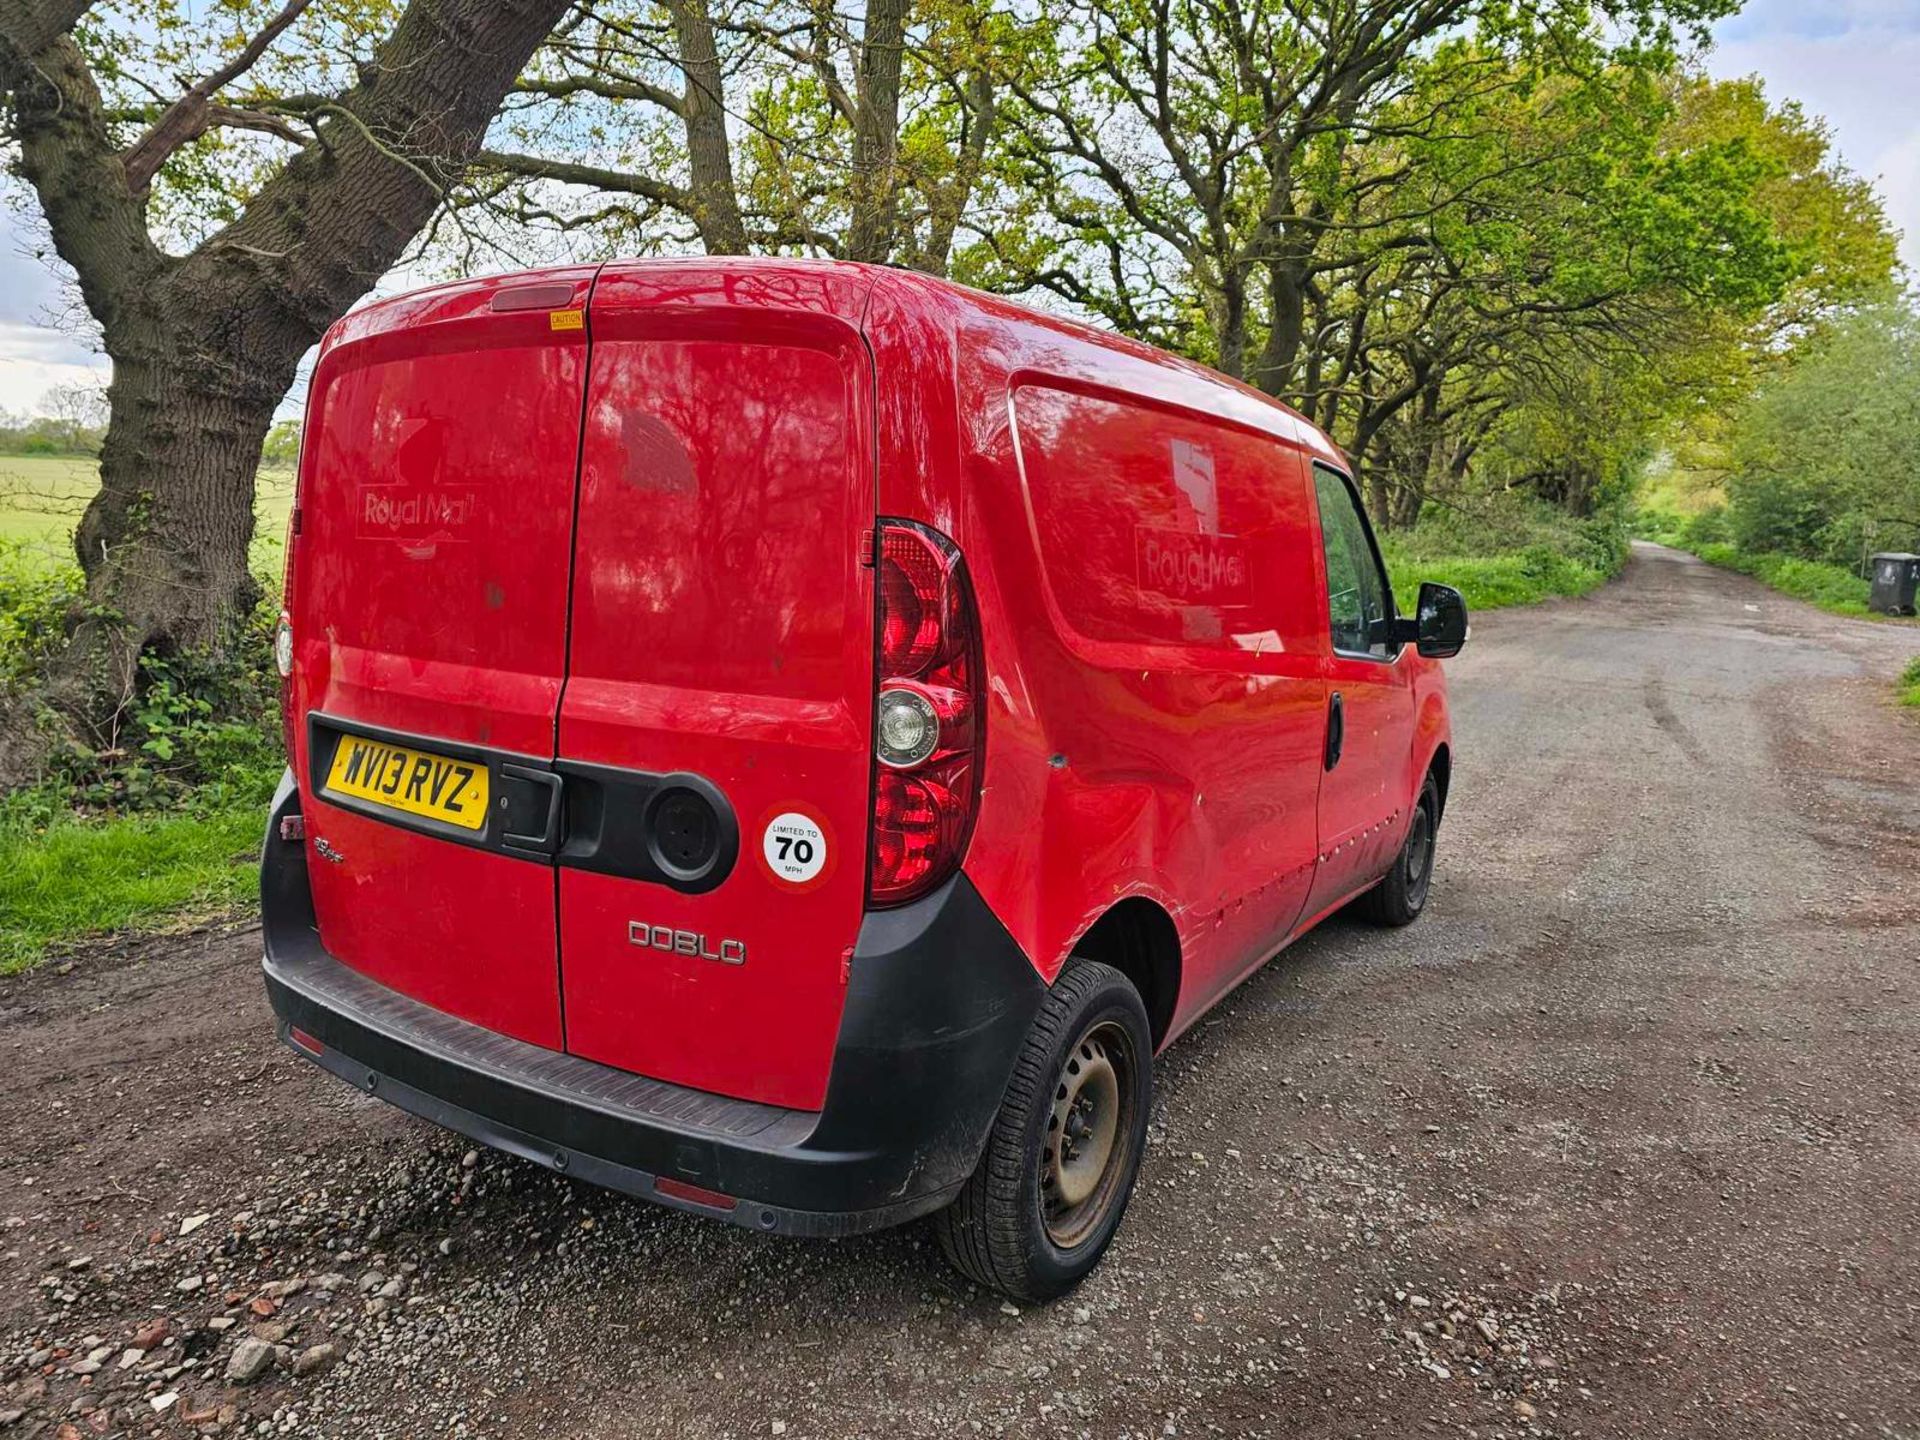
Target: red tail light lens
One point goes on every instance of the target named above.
(929, 727)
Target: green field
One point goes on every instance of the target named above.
(42, 497)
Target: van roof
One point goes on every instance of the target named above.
(910, 287)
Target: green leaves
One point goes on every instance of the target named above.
(1825, 458)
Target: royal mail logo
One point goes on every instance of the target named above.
(397, 512)
(1193, 569)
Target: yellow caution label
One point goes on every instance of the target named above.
(567, 319)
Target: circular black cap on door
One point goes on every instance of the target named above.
(683, 833)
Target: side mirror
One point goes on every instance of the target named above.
(1440, 623)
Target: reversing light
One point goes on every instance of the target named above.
(908, 728)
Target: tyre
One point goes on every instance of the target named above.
(1061, 1158)
(1402, 895)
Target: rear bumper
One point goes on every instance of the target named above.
(938, 1002)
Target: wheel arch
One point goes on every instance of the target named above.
(1137, 937)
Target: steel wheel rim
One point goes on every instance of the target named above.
(1419, 854)
(1089, 1137)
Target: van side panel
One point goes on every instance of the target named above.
(436, 502)
(1154, 632)
(723, 625)
(1179, 581)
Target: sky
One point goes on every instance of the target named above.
(1856, 62)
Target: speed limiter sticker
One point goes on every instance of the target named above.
(796, 847)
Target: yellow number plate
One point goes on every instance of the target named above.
(415, 781)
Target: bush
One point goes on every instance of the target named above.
(1509, 550)
(1709, 527)
(1910, 683)
(1822, 454)
(200, 729)
(1663, 527)
(35, 599)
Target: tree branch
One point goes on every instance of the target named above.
(187, 116)
(605, 89)
(618, 182)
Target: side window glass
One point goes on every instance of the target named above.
(1356, 590)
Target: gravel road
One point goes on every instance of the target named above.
(1623, 1139)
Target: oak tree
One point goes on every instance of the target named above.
(206, 307)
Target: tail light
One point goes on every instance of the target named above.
(283, 628)
(283, 662)
(283, 631)
(929, 723)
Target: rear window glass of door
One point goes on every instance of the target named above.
(1358, 602)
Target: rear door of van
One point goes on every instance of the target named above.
(719, 684)
(429, 613)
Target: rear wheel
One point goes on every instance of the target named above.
(1399, 899)
(1060, 1161)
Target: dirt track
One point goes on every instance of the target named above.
(1623, 1138)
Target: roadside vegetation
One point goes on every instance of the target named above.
(1510, 551)
(1505, 256)
(1803, 479)
(1910, 683)
(158, 822)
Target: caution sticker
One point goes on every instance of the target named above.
(566, 319)
(796, 848)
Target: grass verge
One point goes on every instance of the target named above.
(1505, 552)
(164, 827)
(1490, 582)
(68, 877)
(1831, 587)
(1909, 683)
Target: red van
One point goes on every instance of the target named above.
(793, 740)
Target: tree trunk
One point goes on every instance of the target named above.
(950, 200)
(716, 203)
(1286, 285)
(164, 544)
(205, 346)
(1231, 323)
(876, 132)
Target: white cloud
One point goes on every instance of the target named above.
(33, 360)
(1855, 62)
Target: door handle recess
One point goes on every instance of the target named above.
(1336, 729)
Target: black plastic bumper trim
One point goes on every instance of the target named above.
(939, 1000)
(554, 812)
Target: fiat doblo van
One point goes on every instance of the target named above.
(793, 740)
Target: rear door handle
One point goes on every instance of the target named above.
(1336, 729)
(541, 808)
